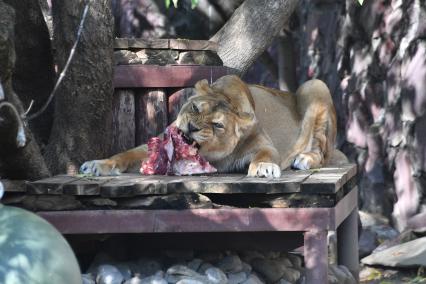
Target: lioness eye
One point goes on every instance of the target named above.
(195, 108)
(218, 125)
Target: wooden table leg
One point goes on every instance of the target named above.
(316, 257)
(347, 243)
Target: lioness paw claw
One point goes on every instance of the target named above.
(268, 170)
(302, 162)
(99, 168)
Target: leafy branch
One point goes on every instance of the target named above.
(194, 3)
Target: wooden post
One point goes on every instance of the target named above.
(316, 260)
(123, 121)
(176, 101)
(347, 243)
(151, 114)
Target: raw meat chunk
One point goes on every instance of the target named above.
(173, 156)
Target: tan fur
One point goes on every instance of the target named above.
(265, 130)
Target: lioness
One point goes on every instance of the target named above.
(239, 127)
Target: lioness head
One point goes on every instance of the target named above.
(218, 116)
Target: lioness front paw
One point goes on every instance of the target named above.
(100, 168)
(262, 169)
(305, 161)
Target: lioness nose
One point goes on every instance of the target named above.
(192, 128)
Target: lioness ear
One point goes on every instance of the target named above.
(245, 122)
(203, 88)
(236, 91)
(246, 116)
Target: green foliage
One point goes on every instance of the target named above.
(194, 3)
(175, 3)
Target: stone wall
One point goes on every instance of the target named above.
(374, 60)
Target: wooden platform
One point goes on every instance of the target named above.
(322, 181)
(231, 204)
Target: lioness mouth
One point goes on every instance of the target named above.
(188, 140)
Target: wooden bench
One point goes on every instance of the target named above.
(148, 96)
(303, 204)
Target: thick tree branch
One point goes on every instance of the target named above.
(250, 30)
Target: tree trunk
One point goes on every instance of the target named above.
(250, 30)
(83, 109)
(34, 74)
(18, 162)
(15, 162)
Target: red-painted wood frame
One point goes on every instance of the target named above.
(169, 76)
(313, 222)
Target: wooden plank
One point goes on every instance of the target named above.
(187, 184)
(352, 170)
(52, 185)
(322, 181)
(121, 43)
(199, 57)
(328, 180)
(185, 44)
(14, 185)
(133, 185)
(154, 76)
(139, 43)
(151, 114)
(159, 43)
(86, 186)
(344, 207)
(123, 121)
(222, 184)
(176, 100)
(289, 182)
(233, 184)
(155, 184)
(190, 220)
(177, 44)
(349, 170)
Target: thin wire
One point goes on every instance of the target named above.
(62, 75)
(29, 109)
(2, 96)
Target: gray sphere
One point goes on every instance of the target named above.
(33, 251)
